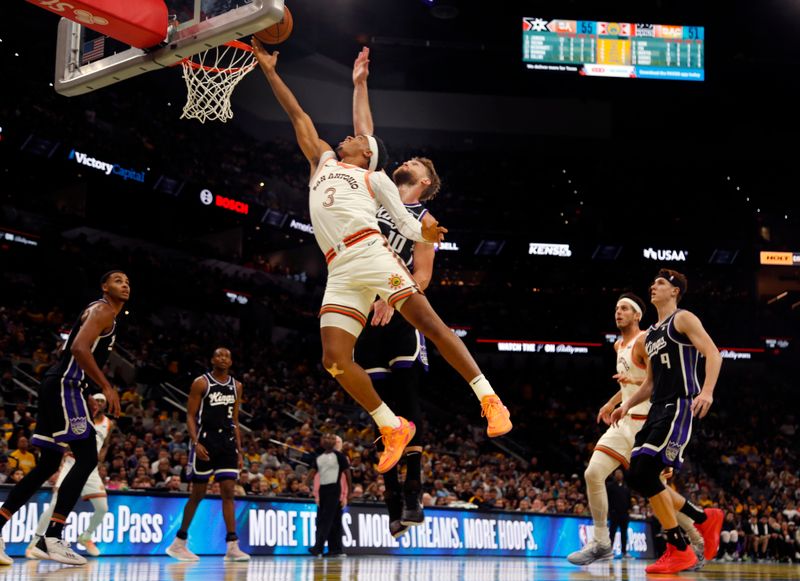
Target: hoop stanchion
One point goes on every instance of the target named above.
(211, 76)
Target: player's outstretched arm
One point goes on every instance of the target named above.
(307, 136)
(362, 115)
(688, 324)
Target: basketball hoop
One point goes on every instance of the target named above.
(211, 77)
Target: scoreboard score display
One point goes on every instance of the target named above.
(614, 49)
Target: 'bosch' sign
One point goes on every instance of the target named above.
(207, 198)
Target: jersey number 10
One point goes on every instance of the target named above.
(397, 241)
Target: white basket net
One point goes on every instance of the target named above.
(211, 77)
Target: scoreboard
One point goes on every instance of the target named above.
(614, 49)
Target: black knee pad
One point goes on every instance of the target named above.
(644, 475)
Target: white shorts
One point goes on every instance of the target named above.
(618, 440)
(356, 276)
(94, 486)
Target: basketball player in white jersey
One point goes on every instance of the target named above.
(94, 490)
(344, 198)
(615, 445)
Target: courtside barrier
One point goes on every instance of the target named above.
(145, 524)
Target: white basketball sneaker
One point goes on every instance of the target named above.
(234, 553)
(34, 552)
(591, 552)
(4, 559)
(179, 550)
(58, 550)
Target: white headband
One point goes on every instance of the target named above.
(632, 303)
(373, 146)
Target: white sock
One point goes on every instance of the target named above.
(601, 534)
(44, 520)
(100, 505)
(687, 524)
(384, 416)
(480, 385)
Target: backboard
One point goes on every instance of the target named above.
(87, 60)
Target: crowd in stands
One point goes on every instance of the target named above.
(751, 472)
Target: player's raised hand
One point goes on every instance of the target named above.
(701, 404)
(361, 67)
(382, 313)
(431, 231)
(266, 60)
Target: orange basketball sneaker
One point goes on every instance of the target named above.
(710, 531)
(395, 441)
(673, 561)
(497, 415)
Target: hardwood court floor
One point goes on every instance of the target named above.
(382, 568)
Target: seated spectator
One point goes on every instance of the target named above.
(115, 482)
(163, 454)
(178, 443)
(244, 481)
(257, 488)
(270, 458)
(130, 396)
(163, 472)
(22, 457)
(358, 492)
(6, 427)
(255, 471)
(16, 475)
(141, 478)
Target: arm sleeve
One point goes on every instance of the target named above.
(387, 196)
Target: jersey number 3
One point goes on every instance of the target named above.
(329, 199)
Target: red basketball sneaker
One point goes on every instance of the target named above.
(710, 531)
(673, 561)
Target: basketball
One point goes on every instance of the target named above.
(279, 31)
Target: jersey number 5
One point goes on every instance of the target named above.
(329, 200)
(665, 360)
(230, 412)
